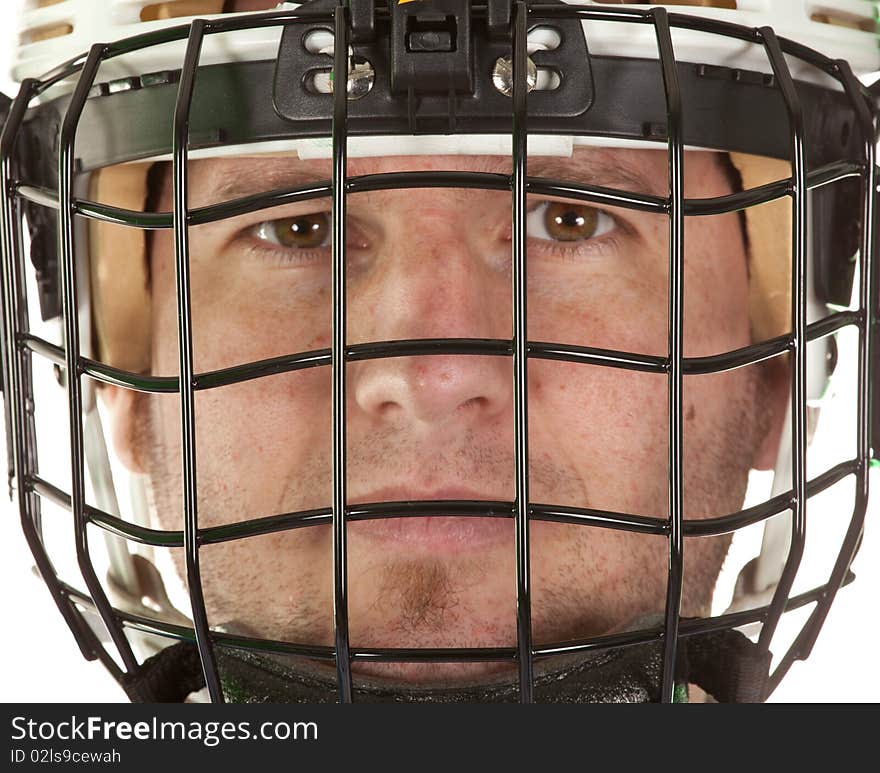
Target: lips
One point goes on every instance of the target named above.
(441, 526)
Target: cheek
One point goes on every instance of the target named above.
(244, 308)
(610, 428)
(615, 299)
(164, 307)
(257, 430)
(626, 317)
(262, 445)
(716, 287)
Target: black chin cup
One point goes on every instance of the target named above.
(726, 665)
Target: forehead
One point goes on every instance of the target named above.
(642, 170)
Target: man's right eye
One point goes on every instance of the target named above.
(303, 232)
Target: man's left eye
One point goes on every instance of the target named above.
(563, 222)
(302, 232)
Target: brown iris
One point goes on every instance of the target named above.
(302, 231)
(570, 222)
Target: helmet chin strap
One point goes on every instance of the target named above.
(724, 664)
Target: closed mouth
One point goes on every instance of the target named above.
(447, 521)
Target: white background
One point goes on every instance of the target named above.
(39, 661)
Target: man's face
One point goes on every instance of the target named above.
(436, 263)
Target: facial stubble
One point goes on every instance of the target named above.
(428, 593)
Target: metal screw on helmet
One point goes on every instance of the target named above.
(361, 76)
(502, 75)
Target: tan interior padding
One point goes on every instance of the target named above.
(839, 18)
(46, 33)
(118, 268)
(174, 9)
(49, 30)
(769, 229)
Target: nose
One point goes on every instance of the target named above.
(435, 278)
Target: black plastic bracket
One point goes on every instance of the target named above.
(499, 19)
(433, 62)
(362, 15)
(5, 105)
(431, 47)
(40, 134)
(835, 233)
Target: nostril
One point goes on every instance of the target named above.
(387, 408)
(474, 402)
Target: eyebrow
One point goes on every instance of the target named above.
(260, 176)
(597, 168)
(588, 167)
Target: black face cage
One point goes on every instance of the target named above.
(350, 22)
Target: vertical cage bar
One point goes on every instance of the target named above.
(520, 358)
(185, 344)
(676, 353)
(17, 305)
(867, 300)
(337, 356)
(5, 351)
(799, 340)
(72, 350)
(803, 644)
(10, 246)
(25, 374)
(17, 411)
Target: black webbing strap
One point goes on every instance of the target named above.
(726, 664)
(168, 676)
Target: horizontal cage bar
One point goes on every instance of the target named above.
(688, 627)
(581, 516)
(586, 355)
(596, 194)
